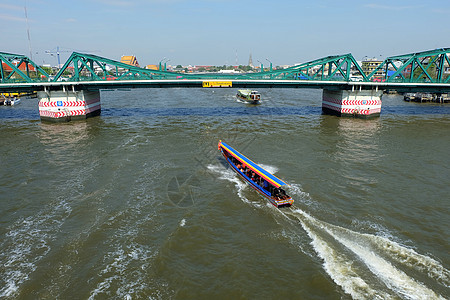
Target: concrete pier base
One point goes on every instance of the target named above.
(64, 106)
(357, 103)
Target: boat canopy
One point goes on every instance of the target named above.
(273, 180)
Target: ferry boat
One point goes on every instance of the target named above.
(266, 184)
(253, 97)
(9, 101)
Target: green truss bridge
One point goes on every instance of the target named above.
(340, 76)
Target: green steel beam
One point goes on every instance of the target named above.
(2, 74)
(9, 59)
(89, 61)
(341, 64)
(416, 61)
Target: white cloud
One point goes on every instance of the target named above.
(12, 18)
(441, 11)
(116, 2)
(390, 7)
(10, 7)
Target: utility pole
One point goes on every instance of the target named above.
(262, 67)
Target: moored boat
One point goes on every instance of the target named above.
(10, 101)
(265, 183)
(253, 97)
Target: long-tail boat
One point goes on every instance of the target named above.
(266, 184)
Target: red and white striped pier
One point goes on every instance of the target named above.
(64, 106)
(362, 103)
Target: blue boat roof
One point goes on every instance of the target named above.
(277, 182)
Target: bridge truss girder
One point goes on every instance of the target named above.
(88, 67)
(427, 66)
(14, 61)
(330, 68)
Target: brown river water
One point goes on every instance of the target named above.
(138, 203)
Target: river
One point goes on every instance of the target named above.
(138, 203)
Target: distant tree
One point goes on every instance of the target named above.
(418, 75)
(47, 70)
(179, 67)
(244, 68)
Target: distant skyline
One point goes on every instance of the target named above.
(219, 32)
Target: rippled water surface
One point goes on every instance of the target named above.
(138, 203)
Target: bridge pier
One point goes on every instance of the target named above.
(357, 103)
(64, 106)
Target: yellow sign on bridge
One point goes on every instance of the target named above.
(213, 84)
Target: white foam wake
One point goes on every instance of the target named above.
(26, 243)
(341, 269)
(125, 263)
(369, 249)
(229, 175)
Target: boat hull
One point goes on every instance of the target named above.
(249, 101)
(10, 102)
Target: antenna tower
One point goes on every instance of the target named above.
(28, 32)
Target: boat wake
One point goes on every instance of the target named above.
(347, 255)
(363, 265)
(229, 175)
(23, 240)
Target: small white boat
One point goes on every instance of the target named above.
(11, 102)
(249, 96)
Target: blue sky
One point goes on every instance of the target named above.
(215, 32)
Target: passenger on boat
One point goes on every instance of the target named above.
(276, 193)
(279, 194)
(259, 181)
